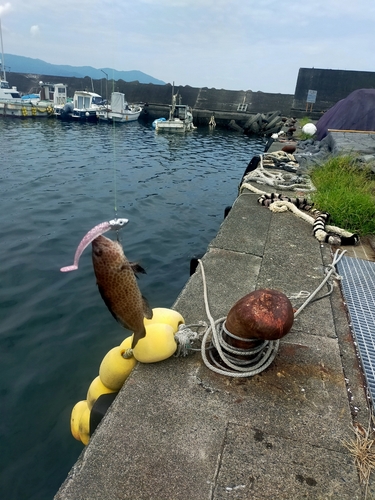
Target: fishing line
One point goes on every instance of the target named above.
(114, 159)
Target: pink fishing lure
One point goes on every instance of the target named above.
(96, 231)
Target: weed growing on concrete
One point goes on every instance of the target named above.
(303, 121)
(362, 447)
(346, 189)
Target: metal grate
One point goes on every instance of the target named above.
(358, 285)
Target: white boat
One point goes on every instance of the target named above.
(180, 118)
(86, 105)
(119, 110)
(8, 93)
(33, 105)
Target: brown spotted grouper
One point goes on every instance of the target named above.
(117, 282)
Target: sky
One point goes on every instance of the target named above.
(231, 44)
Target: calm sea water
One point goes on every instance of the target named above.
(57, 181)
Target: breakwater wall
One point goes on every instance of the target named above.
(329, 86)
(225, 105)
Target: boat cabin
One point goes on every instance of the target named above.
(55, 92)
(86, 104)
(180, 111)
(8, 92)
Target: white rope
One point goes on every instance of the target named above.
(239, 371)
(283, 205)
(281, 180)
(331, 270)
(185, 336)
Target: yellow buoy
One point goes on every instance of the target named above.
(96, 389)
(167, 316)
(84, 426)
(158, 344)
(115, 369)
(127, 343)
(75, 418)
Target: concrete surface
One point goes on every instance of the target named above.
(177, 430)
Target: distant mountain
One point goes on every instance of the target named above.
(20, 64)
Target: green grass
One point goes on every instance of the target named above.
(303, 121)
(346, 189)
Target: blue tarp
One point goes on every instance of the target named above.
(31, 96)
(355, 112)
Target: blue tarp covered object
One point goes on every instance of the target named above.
(355, 112)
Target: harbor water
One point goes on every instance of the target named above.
(58, 180)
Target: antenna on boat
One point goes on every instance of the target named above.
(2, 53)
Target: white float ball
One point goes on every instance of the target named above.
(309, 129)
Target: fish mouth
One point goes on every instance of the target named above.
(101, 243)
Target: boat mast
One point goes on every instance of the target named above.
(2, 53)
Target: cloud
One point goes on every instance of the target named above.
(35, 30)
(7, 7)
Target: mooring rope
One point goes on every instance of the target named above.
(283, 179)
(264, 351)
(331, 271)
(238, 371)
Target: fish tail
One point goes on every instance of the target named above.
(140, 334)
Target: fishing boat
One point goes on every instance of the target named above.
(119, 110)
(86, 105)
(180, 118)
(32, 105)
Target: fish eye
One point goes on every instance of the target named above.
(98, 252)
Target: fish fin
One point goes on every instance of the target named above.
(136, 268)
(147, 311)
(138, 336)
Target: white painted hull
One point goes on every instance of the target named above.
(118, 117)
(19, 109)
(175, 125)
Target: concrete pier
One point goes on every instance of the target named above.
(177, 430)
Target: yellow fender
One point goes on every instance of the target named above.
(157, 345)
(75, 418)
(167, 316)
(84, 426)
(115, 369)
(96, 389)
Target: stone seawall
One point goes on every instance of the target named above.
(226, 105)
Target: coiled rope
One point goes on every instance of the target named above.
(262, 354)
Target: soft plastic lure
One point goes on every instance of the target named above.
(96, 231)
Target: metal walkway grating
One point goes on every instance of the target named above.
(358, 286)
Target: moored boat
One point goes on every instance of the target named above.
(180, 118)
(86, 105)
(119, 110)
(32, 105)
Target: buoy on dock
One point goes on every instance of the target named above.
(166, 316)
(96, 389)
(75, 418)
(115, 369)
(158, 344)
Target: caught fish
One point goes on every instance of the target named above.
(96, 231)
(117, 283)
